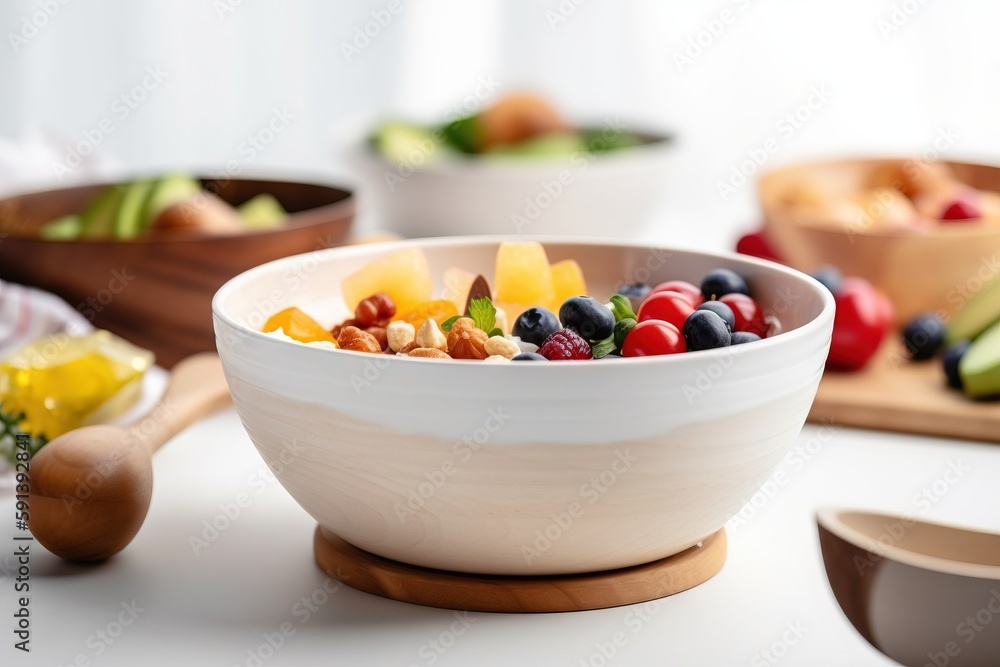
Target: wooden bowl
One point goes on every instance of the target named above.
(157, 293)
(920, 271)
(921, 593)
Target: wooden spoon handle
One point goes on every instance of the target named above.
(197, 387)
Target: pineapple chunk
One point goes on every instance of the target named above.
(523, 276)
(404, 275)
(567, 281)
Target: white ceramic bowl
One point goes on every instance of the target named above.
(610, 194)
(521, 468)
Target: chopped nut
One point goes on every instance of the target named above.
(400, 334)
(430, 335)
(465, 341)
(409, 347)
(380, 336)
(340, 327)
(428, 353)
(374, 308)
(496, 359)
(353, 338)
(500, 346)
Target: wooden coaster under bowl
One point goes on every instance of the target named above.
(491, 593)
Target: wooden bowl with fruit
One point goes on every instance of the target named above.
(928, 233)
(143, 258)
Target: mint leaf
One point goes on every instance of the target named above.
(483, 313)
(603, 348)
(495, 332)
(622, 308)
(622, 330)
(447, 324)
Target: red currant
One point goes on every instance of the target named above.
(667, 306)
(749, 316)
(692, 292)
(653, 337)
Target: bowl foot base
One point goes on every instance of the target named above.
(522, 594)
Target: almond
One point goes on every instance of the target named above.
(353, 338)
(428, 353)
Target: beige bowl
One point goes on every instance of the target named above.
(920, 271)
(922, 593)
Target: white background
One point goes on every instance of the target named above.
(226, 72)
(229, 64)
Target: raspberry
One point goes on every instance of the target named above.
(565, 345)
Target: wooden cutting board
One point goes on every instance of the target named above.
(895, 394)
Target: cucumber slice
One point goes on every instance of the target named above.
(981, 310)
(129, 222)
(97, 221)
(546, 145)
(979, 367)
(404, 143)
(65, 228)
(262, 211)
(168, 191)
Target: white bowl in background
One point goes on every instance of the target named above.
(609, 194)
(521, 468)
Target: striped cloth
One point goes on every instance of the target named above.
(27, 314)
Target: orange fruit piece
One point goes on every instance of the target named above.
(404, 275)
(567, 281)
(523, 276)
(296, 324)
(517, 117)
(439, 309)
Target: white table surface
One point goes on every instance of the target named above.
(216, 607)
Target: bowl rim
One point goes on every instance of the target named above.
(951, 231)
(810, 328)
(832, 520)
(344, 207)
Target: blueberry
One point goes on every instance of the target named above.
(722, 310)
(924, 336)
(722, 281)
(705, 330)
(950, 360)
(635, 292)
(588, 317)
(535, 325)
(528, 356)
(740, 337)
(829, 277)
